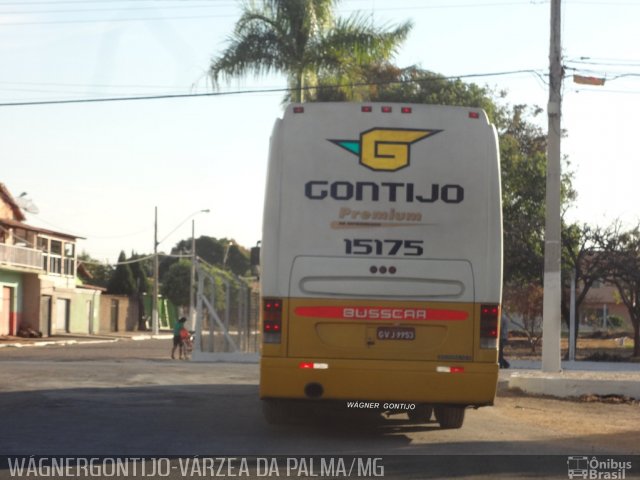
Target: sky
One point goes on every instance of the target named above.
(99, 170)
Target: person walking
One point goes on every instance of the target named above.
(177, 336)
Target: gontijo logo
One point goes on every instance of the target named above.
(385, 149)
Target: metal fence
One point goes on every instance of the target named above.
(227, 313)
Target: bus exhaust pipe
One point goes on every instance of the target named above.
(313, 390)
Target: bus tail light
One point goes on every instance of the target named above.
(489, 316)
(313, 365)
(272, 320)
(445, 369)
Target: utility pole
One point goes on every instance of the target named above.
(156, 281)
(193, 275)
(551, 320)
(154, 301)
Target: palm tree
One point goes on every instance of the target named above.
(303, 40)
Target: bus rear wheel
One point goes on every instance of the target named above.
(274, 412)
(450, 416)
(421, 414)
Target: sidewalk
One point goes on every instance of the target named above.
(576, 379)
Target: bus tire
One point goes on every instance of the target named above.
(450, 416)
(421, 414)
(274, 412)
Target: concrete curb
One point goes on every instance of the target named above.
(576, 379)
(577, 384)
(233, 357)
(47, 343)
(73, 340)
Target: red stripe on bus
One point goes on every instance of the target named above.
(382, 313)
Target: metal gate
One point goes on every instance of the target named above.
(226, 324)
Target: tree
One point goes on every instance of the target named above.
(212, 251)
(122, 282)
(141, 269)
(621, 252)
(526, 301)
(237, 257)
(385, 82)
(93, 271)
(176, 283)
(581, 257)
(303, 40)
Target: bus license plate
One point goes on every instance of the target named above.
(396, 333)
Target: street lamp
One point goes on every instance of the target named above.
(226, 254)
(154, 301)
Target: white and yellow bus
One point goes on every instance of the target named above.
(381, 259)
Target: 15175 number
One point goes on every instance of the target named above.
(364, 246)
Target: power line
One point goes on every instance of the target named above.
(126, 262)
(135, 260)
(115, 9)
(257, 91)
(219, 4)
(112, 20)
(608, 63)
(605, 90)
(395, 8)
(111, 2)
(608, 76)
(604, 4)
(84, 85)
(145, 97)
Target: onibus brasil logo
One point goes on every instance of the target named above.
(385, 149)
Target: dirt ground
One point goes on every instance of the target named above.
(611, 424)
(616, 348)
(613, 421)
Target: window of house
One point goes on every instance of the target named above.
(56, 247)
(69, 259)
(43, 244)
(55, 265)
(20, 237)
(55, 257)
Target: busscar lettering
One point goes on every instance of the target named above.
(384, 191)
(385, 313)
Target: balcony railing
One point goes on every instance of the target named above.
(20, 257)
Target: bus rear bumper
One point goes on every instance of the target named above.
(371, 380)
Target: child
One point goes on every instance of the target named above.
(178, 336)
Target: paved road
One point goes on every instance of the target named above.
(129, 398)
